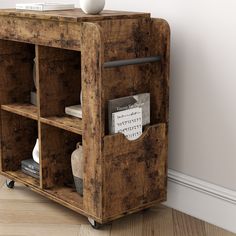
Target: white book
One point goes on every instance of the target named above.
(75, 110)
(128, 122)
(44, 6)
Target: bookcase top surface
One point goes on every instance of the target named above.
(75, 15)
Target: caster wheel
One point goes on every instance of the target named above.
(94, 223)
(10, 183)
(145, 210)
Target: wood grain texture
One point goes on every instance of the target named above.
(69, 123)
(59, 80)
(57, 146)
(22, 109)
(187, 226)
(19, 135)
(93, 117)
(136, 175)
(16, 70)
(28, 180)
(158, 221)
(212, 230)
(41, 32)
(76, 15)
(159, 72)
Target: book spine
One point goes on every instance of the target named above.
(30, 174)
(30, 7)
(31, 167)
(73, 113)
(30, 170)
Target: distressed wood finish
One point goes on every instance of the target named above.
(93, 117)
(48, 33)
(26, 110)
(17, 141)
(59, 80)
(159, 75)
(76, 15)
(57, 146)
(120, 176)
(134, 178)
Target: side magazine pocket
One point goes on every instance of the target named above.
(135, 171)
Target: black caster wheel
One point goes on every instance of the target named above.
(94, 223)
(145, 210)
(10, 183)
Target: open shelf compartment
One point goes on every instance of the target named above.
(57, 146)
(59, 86)
(17, 78)
(18, 139)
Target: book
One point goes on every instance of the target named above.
(30, 172)
(75, 110)
(31, 164)
(44, 6)
(120, 104)
(128, 122)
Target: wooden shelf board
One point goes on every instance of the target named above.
(23, 178)
(65, 122)
(22, 109)
(68, 196)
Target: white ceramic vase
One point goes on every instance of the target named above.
(35, 152)
(92, 6)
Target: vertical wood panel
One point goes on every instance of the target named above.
(93, 117)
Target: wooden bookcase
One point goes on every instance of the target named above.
(74, 51)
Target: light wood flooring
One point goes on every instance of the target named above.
(25, 213)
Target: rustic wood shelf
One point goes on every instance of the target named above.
(68, 196)
(107, 56)
(66, 122)
(26, 110)
(26, 179)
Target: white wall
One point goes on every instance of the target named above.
(203, 84)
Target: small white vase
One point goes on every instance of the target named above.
(35, 152)
(92, 6)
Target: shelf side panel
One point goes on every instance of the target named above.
(93, 117)
(159, 75)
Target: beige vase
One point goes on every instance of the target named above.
(77, 164)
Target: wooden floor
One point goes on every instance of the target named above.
(23, 212)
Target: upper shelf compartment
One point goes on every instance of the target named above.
(17, 82)
(59, 74)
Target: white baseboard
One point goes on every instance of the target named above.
(203, 200)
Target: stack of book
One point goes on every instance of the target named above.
(30, 167)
